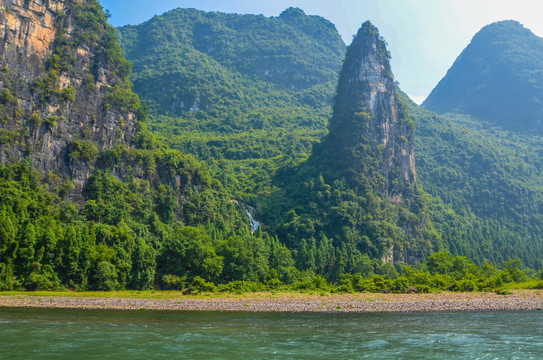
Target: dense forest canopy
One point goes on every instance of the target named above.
(248, 158)
(485, 186)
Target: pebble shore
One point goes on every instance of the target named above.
(359, 303)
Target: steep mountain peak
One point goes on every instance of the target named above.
(502, 28)
(366, 32)
(361, 176)
(497, 78)
(366, 67)
(369, 114)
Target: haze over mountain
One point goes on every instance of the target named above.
(497, 78)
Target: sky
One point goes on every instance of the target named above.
(424, 36)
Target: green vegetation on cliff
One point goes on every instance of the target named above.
(133, 193)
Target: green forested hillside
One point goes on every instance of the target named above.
(497, 78)
(483, 157)
(246, 93)
(491, 181)
(140, 204)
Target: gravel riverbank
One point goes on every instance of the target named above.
(263, 302)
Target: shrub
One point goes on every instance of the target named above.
(68, 94)
(424, 289)
(82, 150)
(441, 282)
(380, 283)
(6, 97)
(35, 119)
(345, 286)
(240, 287)
(200, 285)
(464, 286)
(274, 284)
(503, 292)
(369, 286)
(314, 282)
(121, 98)
(173, 282)
(51, 121)
(400, 285)
(43, 280)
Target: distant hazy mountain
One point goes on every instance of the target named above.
(497, 78)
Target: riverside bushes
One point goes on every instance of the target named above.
(416, 279)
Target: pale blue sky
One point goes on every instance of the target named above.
(424, 36)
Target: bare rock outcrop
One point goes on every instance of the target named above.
(369, 116)
(64, 90)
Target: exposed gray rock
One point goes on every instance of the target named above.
(39, 130)
(368, 112)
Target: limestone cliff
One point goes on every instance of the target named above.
(371, 134)
(65, 96)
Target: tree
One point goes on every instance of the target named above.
(188, 251)
(8, 244)
(440, 263)
(25, 252)
(142, 273)
(105, 278)
(244, 257)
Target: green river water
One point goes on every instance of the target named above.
(71, 334)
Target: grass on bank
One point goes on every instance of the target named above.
(507, 289)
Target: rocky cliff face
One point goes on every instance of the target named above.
(64, 94)
(28, 28)
(369, 120)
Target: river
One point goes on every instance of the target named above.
(76, 334)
